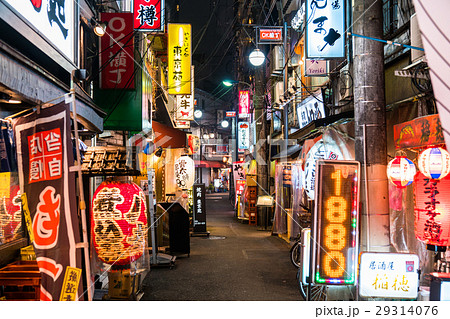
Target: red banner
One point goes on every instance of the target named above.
(148, 15)
(116, 52)
(420, 132)
(44, 156)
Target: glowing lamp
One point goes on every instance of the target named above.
(119, 222)
(432, 210)
(401, 171)
(434, 163)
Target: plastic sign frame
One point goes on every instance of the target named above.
(336, 219)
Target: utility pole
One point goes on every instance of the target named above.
(370, 125)
(261, 145)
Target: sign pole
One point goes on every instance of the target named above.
(82, 203)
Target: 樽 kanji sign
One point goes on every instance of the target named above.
(116, 57)
(44, 157)
(179, 56)
(148, 15)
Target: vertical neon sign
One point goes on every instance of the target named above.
(336, 222)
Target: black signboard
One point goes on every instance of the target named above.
(199, 208)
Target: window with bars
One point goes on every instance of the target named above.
(390, 17)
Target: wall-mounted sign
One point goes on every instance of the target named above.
(336, 222)
(432, 210)
(309, 110)
(182, 124)
(297, 20)
(199, 215)
(230, 114)
(270, 35)
(244, 104)
(316, 67)
(325, 29)
(194, 143)
(422, 131)
(52, 19)
(389, 275)
(243, 135)
(179, 56)
(148, 15)
(117, 52)
(185, 103)
(184, 172)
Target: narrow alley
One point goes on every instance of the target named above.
(236, 262)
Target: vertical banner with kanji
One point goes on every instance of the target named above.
(185, 103)
(148, 15)
(117, 52)
(179, 56)
(199, 208)
(44, 155)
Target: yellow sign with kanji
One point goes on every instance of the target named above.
(70, 285)
(5, 181)
(179, 58)
(27, 216)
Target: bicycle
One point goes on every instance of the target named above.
(299, 254)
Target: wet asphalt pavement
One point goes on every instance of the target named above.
(236, 262)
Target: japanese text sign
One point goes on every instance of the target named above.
(270, 35)
(432, 210)
(388, 275)
(54, 19)
(325, 29)
(243, 135)
(179, 56)
(185, 103)
(244, 104)
(422, 131)
(117, 52)
(148, 15)
(44, 157)
(309, 110)
(336, 222)
(70, 285)
(199, 208)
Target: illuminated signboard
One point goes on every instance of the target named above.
(243, 135)
(325, 29)
(270, 35)
(148, 15)
(389, 275)
(244, 103)
(185, 103)
(179, 56)
(336, 222)
(54, 20)
(230, 114)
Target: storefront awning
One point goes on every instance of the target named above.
(165, 136)
(209, 164)
(291, 152)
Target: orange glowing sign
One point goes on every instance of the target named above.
(336, 223)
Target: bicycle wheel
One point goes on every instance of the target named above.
(318, 293)
(296, 254)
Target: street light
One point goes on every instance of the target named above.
(233, 82)
(257, 57)
(225, 123)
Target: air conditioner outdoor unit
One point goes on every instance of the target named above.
(416, 40)
(278, 54)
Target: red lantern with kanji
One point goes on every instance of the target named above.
(434, 162)
(401, 171)
(432, 210)
(119, 222)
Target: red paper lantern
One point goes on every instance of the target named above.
(434, 162)
(119, 222)
(432, 210)
(401, 171)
